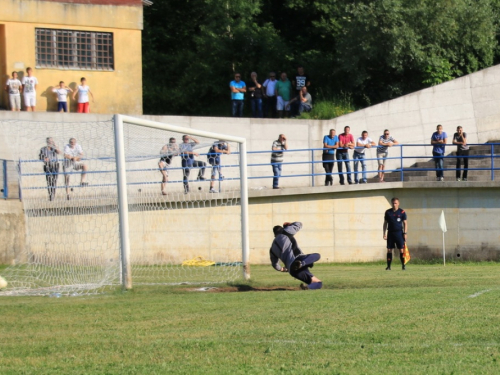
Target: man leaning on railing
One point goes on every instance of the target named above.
(438, 140)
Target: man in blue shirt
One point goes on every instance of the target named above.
(395, 222)
(238, 90)
(330, 143)
(438, 140)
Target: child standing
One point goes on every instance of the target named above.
(83, 92)
(62, 96)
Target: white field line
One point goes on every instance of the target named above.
(477, 294)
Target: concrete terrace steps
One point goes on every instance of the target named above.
(482, 159)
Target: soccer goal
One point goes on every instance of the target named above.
(127, 201)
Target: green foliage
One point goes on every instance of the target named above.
(390, 47)
(365, 321)
(328, 109)
(373, 49)
(437, 74)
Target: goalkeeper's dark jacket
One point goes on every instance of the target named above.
(285, 247)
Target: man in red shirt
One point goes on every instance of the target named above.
(346, 142)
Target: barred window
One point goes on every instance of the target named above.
(69, 49)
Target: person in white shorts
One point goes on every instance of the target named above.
(283, 93)
(73, 154)
(29, 89)
(14, 88)
(167, 152)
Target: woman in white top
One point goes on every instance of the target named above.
(83, 92)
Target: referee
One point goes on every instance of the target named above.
(395, 228)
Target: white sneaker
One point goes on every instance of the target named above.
(441, 179)
(213, 191)
(458, 179)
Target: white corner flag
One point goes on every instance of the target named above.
(442, 225)
(442, 222)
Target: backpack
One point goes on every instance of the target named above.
(211, 156)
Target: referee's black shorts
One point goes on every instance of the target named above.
(395, 239)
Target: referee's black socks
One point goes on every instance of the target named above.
(389, 260)
(402, 257)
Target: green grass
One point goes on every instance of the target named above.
(365, 321)
(325, 109)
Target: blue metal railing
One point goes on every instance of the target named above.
(305, 157)
(9, 179)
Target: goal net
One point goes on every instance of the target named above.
(126, 201)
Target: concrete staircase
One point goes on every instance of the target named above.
(480, 157)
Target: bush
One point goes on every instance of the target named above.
(325, 109)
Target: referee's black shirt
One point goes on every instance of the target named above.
(395, 219)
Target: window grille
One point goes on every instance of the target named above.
(69, 49)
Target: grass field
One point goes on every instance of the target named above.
(429, 319)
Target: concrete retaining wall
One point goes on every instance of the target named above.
(343, 225)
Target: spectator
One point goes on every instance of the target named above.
(218, 148)
(167, 152)
(301, 103)
(438, 140)
(346, 142)
(301, 80)
(238, 90)
(460, 139)
(30, 84)
(283, 94)
(362, 143)
(255, 89)
(73, 154)
(186, 149)
(83, 92)
(331, 142)
(48, 155)
(14, 88)
(385, 141)
(269, 93)
(62, 96)
(277, 158)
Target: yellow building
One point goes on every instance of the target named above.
(64, 40)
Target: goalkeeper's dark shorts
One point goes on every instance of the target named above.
(303, 275)
(395, 239)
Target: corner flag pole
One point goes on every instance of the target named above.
(442, 225)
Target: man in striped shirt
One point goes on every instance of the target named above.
(277, 158)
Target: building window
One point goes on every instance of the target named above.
(77, 50)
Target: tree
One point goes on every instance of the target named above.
(192, 48)
(392, 47)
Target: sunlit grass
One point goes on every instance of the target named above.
(325, 109)
(429, 319)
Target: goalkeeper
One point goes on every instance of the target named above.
(286, 249)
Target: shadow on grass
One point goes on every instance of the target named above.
(243, 288)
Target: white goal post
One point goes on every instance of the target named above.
(126, 273)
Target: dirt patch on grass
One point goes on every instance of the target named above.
(241, 288)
